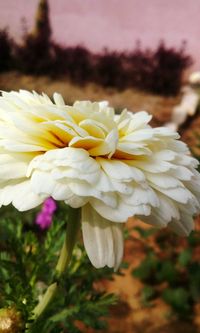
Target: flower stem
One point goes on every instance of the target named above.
(63, 261)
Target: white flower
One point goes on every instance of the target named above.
(194, 78)
(114, 167)
(187, 107)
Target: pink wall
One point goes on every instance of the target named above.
(116, 24)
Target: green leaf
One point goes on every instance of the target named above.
(147, 268)
(193, 281)
(178, 298)
(194, 238)
(185, 257)
(167, 272)
(145, 233)
(65, 314)
(147, 295)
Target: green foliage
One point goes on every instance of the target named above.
(145, 233)
(170, 270)
(179, 299)
(28, 258)
(185, 257)
(147, 294)
(148, 268)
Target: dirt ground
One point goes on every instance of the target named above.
(128, 316)
(191, 135)
(131, 99)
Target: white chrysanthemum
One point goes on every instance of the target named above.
(114, 167)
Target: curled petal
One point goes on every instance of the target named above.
(20, 195)
(103, 239)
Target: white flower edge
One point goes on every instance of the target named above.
(103, 240)
(112, 167)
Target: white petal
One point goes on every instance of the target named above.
(182, 227)
(20, 195)
(179, 194)
(75, 201)
(12, 167)
(119, 170)
(108, 147)
(140, 135)
(121, 212)
(154, 166)
(83, 189)
(181, 173)
(58, 99)
(142, 195)
(69, 173)
(103, 239)
(139, 120)
(42, 183)
(163, 180)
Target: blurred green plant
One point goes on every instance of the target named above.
(27, 266)
(170, 270)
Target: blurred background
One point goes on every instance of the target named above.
(142, 55)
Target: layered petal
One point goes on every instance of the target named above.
(113, 166)
(103, 239)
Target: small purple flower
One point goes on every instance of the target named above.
(49, 206)
(45, 216)
(44, 220)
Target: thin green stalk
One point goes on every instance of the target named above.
(73, 226)
(70, 239)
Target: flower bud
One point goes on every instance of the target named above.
(10, 321)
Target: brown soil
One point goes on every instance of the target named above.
(129, 316)
(191, 135)
(132, 99)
